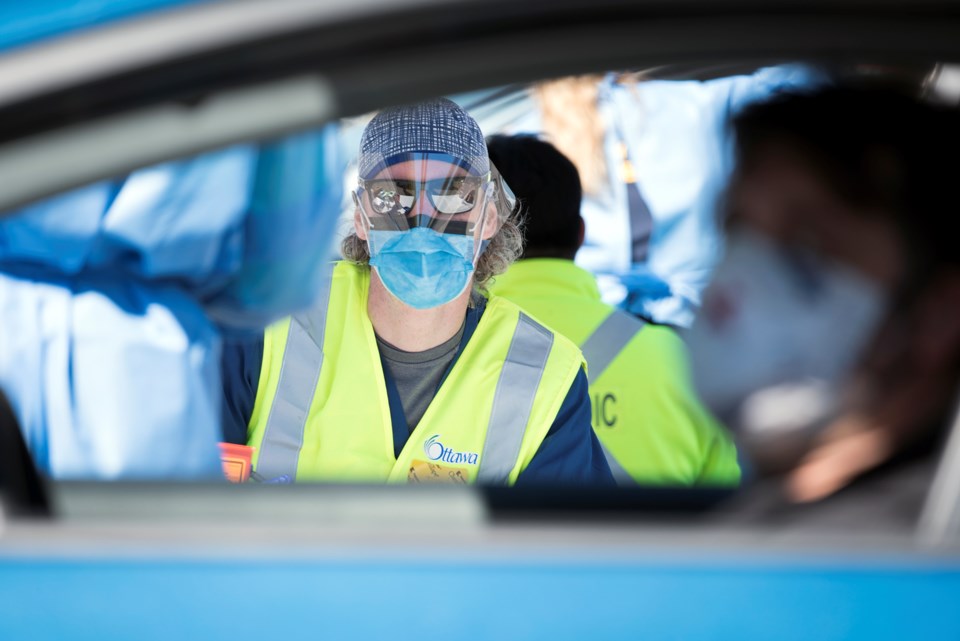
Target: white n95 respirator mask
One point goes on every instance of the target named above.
(778, 332)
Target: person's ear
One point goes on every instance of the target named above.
(359, 222)
(582, 233)
(491, 221)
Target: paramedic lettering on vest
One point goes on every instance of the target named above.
(406, 371)
(653, 429)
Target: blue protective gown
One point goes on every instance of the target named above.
(677, 139)
(113, 299)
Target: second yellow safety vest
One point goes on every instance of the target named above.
(322, 412)
(652, 427)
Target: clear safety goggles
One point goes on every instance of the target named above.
(437, 191)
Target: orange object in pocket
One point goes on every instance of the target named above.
(237, 460)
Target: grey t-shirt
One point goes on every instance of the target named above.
(417, 374)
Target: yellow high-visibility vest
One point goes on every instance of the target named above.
(322, 414)
(652, 427)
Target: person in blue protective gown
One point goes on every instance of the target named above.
(654, 156)
(114, 298)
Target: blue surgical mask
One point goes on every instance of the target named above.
(421, 267)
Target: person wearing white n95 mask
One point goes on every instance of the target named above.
(828, 339)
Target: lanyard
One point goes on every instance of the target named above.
(641, 220)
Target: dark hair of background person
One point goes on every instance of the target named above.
(881, 150)
(547, 187)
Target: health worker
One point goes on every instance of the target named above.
(408, 372)
(654, 157)
(645, 412)
(115, 296)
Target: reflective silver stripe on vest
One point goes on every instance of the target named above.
(299, 373)
(620, 474)
(513, 400)
(608, 340)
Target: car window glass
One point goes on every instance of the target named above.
(581, 240)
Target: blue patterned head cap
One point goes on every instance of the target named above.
(438, 126)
